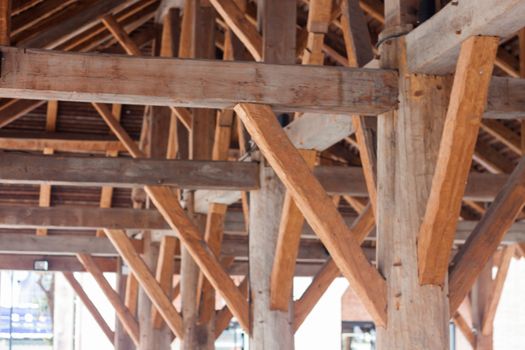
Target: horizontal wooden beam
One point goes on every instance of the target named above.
(127, 172)
(433, 47)
(55, 263)
(71, 219)
(38, 74)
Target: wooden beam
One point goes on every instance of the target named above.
(120, 34)
(5, 22)
(164, 272)
(43, 75)
(67, 24)
(241, 26)
(60, 142)
(433, 47)
(25, 262)
(486, 237)
(316, 206)
(503, 134)
(465, 329)
(132, 294)
(287, 246)
(489, 314)
(125, 172)
(329, 272)
(463, 119)
(224, 315)
(128, 321)
(15, 109)
(89, 306)
(148, 283)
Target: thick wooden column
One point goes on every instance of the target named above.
(271, 329)
(198, 29)
(408, 142)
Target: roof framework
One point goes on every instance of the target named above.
(378, 141)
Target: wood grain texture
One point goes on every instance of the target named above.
(241, 26)
(177, 82)
(462, 123)
(164, 273)
(316, 206)
(287, 246)
(486, 236)
(433, 47)
(126, 172)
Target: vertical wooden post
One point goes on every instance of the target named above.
(480, 298)
(271, 329)
(408, 143)
(200, 28)
(122, 341)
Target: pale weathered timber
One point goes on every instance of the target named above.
(128, 321)
(316, 206)
(126, 172)
(462, 123)
(486, 236)
(70, 219)
(89, 305)
(433, 47)
(41, 74)
(272, 329)
(408, 142)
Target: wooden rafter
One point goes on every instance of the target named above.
(316, 206)
(486, 237)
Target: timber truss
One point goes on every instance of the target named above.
(396, 136)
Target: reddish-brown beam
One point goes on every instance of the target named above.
(5, 22)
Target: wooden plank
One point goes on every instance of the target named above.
(279, 31)
(240, 25)
(465, 329)
(329, 272)
(25, 262)
(164, 272)
(43, 75)
(15, 109)
(148, 283)
(5, 22)
(125, 172)
(60, 142)
(120, 34)
(503, 134)
(486, 236)
(287, 246)
(489, 313)
(433, 47)
(316, 206)
(463, 119)
(57, 29)
(58, 245)
(319, 16)
(128, 321)
(89, 306)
